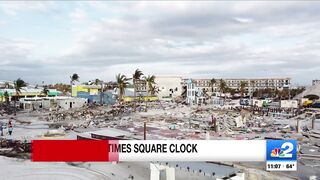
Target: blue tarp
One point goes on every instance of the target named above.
(107, 97)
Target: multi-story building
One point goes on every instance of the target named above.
(259, 83)
(199, 89)
(196, 91)
(140, 85)
(251, 84)
(191, 92)
(169, 86)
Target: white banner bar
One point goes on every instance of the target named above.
(190, 150)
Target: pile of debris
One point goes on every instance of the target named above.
(6, 108)
(15, 148)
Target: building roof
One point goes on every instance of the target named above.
(130, 92)
(110, 132)
(169, 77)
(312, 90)
(267, 78)
(48, 98)
(88, 86)
(27, 90)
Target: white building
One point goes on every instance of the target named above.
(258, 83)
(70, 103)
(26, 92)
(191, 97)
(252, 84)
(64, 103)
(169, 86)
(195, 94)
(198, 91)
(289, 104)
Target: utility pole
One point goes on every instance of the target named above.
(289, 92)
(250, 96)
(101, 93)
(313, 120)
(144, 130)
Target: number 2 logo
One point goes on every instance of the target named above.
(287, 148)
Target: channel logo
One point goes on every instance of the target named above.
(277, 153)
(281, 150)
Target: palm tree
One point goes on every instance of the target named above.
(252, 84)
(110, 85)
(243, 86)
(222, 86)
(18, 84)
(136, 77)
(97, 81)
(294, 92)
(154, 90)
(231, 91)
(205, 93)
(212, 83)
(73, 78)
(45, 90)
(122, 83)
(269, 92)
(150, 81)
(6, 96)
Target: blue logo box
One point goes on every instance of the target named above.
(281, 150)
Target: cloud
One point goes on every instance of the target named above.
(207, 36)
(221, 39)
(13, 7)
(78, 15)
(14, 50)
(2, 22)
(243, 20)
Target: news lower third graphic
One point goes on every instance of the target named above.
(281, 155)
(150, 150)
(278, 155)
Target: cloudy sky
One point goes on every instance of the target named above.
(48, 41)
